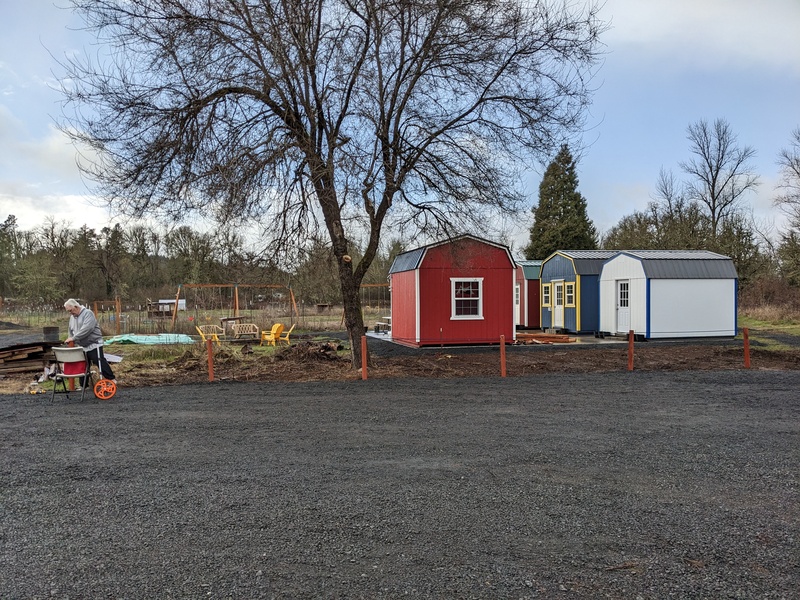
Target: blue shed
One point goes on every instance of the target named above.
(570, 295)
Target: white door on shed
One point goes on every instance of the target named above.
(623, 306)
(558, 304)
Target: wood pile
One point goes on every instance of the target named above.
(25, 358)
(543, 338)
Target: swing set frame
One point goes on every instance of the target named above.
(235, 286)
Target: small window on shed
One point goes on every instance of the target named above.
(569, 294)
(546, 287)
(467, 298)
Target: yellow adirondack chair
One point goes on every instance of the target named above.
(271, 336)
(210, 332)
(285, 336)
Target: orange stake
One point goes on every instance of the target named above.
(746, 336)
(364, 358)
(630, 350)
(502, 356)
(210, 351)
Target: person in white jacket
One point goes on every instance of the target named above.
(84, 331)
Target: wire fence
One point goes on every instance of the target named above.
(144, 321)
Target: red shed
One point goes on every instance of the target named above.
(459, 291)
(527, 294)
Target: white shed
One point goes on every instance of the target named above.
(669, 294)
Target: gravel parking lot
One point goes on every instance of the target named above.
(601, 485)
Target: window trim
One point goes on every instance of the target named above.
(479, 299)
(569, 290)
(547, 294)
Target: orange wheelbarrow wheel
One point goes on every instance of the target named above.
(105, 389)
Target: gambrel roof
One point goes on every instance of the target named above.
(684, 264)
(411, 259)
(587, 262)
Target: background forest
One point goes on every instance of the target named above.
(705, 210)
(42, 267)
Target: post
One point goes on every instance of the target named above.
(210, 352)
(746, 336)
(630, 350)
(502, 356)
(118, 306)
(364, 358)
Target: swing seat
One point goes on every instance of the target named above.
(210, 332)
(271, 337)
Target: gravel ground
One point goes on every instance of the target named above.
(617, 485)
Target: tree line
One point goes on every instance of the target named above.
(44, 266)
(704, 209)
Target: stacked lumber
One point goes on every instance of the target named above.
(543, 338)
(24, 358)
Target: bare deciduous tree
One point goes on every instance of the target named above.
(720, 170)
(789, 185)
(350, 115)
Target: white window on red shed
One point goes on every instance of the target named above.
(467, 298)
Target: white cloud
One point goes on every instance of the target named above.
(706, 33)
(32, 210)
(41, 161)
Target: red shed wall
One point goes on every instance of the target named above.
(404, 307)
(534, 310)
(466, 258)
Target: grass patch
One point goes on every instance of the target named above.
(767, 333)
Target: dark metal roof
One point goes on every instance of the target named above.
(589, 254)
(410, 260)
(587, 262)
(407, 261)
(531, 269)
(684, 264)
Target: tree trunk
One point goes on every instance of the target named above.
(353, 317)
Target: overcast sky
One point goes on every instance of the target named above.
(669, 63)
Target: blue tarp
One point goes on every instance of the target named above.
(159, 338)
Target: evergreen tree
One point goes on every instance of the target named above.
(560, 221)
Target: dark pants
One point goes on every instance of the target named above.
(105, 368)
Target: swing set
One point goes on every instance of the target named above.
(210, 294)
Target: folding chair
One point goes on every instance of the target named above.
(71, 365)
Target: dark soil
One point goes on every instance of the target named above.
(319, 361)
(650, 484)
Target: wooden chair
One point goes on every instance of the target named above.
(271, 337)
(285, 336)
(210, 332)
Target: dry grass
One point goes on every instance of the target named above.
(772, 315)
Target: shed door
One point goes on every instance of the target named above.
(518, 304)
(558, 304)
(623, 306)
